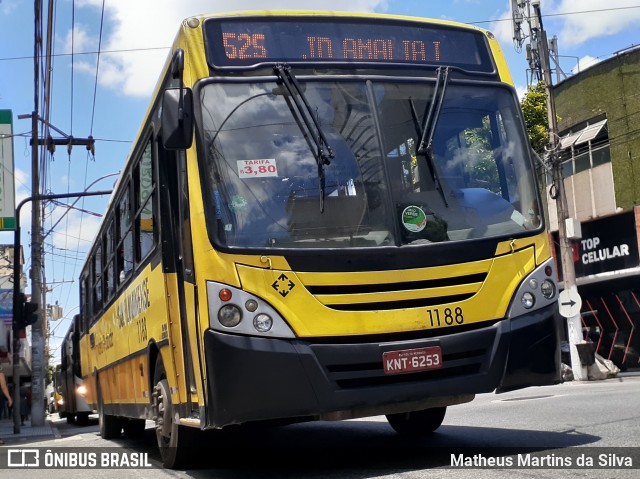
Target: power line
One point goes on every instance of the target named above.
(25, 134)
(57, 55)
(73, 34)
(95, 87)
(113, 140)
(561, 14)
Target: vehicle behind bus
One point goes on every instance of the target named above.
(70, 390)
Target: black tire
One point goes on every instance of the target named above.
(173, 439)
(417, 423)
(82, 418)
(110, 426)
(71, 418)
(133, 427)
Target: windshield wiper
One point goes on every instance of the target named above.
(428, 127)
(302, 110)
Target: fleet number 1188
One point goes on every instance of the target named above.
(445, 316)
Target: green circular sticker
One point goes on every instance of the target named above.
(238, 203)
(414, 219)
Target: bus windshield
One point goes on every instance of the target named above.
(263, 182)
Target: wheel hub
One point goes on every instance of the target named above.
(162, 410)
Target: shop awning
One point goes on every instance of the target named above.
(582, 136)
(568, 140)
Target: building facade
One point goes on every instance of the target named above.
(599, 125)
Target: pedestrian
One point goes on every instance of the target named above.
(5, 391)
(4, 411)
(25, 403)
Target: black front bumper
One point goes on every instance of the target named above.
(255, 379)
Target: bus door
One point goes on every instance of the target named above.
(178, 266)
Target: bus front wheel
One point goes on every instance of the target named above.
(417, 423)
(173, 439)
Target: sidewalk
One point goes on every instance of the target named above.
(27, 432)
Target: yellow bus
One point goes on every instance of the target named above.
(324, 216)
(71, 402)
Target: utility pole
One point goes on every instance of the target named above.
(37, 337)
(521, 13)
(574, 323)
(539, 59)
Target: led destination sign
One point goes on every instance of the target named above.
(244, 43)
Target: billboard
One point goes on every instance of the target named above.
(607, 244)
(7, 182)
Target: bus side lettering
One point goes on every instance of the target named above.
(142, 329)
(134, 304)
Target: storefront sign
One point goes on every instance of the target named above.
(608, 244)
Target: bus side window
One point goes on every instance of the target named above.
(86, 304)
(144, 204)
(110, 274)
(125, 237)
(97, 279)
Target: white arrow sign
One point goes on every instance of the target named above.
(570, 303)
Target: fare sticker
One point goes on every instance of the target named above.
(265, 168)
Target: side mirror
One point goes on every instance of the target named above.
(177, 118)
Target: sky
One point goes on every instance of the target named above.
(106, 95)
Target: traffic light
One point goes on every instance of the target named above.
(27, 312)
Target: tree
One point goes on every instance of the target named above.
(51, 370)
(534, 108)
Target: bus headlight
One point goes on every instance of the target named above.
(229, 315)
(82, 390)
(262, 322)
(548, 289)
(528, 300)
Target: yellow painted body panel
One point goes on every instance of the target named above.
(120, 340)
(308, 316)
